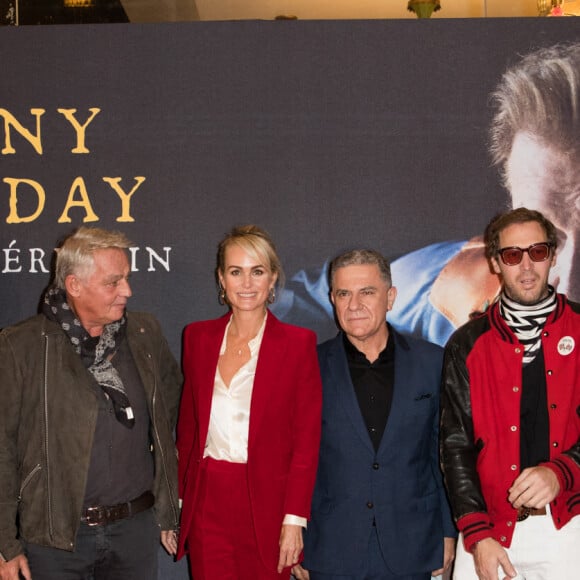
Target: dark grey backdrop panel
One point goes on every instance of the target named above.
(328, 134)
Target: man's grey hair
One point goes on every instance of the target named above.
(362, 258)
(75, 254)
(540, 95)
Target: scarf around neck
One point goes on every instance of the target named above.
(527, 321)
(95, 355)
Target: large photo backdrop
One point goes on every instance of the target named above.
(330, 135)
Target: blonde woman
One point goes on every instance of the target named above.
(249, 424)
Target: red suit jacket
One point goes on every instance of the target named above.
(284, 432)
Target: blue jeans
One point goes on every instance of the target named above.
(123, 550)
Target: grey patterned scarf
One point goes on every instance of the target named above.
(95, 355)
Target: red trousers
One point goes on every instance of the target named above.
(222, 539)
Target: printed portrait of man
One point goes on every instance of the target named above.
(534, 140)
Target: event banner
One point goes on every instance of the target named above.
(330, 135)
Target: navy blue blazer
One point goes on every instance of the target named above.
(400, 486)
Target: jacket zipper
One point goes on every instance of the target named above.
(48, 496)
(26, 481)
(160, 447)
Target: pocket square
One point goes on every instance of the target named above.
(423, 396)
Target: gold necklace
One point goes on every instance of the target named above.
(245, 344)
(235, 350)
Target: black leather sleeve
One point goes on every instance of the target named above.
(459, 451)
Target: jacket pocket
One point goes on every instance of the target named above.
(28, 479)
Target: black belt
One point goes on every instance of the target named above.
(102, 515)
(525, 512)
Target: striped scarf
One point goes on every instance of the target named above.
(527, 321)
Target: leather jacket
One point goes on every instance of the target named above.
(480, 420)
(48, 414)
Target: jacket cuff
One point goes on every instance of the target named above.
(475, 527)
(10, 550)
(566, 470)
(295, 520)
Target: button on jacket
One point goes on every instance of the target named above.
(398, 488)
(480, 426)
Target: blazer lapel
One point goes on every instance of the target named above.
(403, 362)
(270, 365)
(341, 386)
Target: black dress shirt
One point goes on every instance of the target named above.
(373, 385)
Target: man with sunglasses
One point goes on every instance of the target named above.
(510, 428)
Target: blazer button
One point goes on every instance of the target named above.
(370, 505)
(375, 465)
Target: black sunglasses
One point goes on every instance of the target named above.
(513, 255)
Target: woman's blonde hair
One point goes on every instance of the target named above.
(257, 243)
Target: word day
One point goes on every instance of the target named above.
(27, 197)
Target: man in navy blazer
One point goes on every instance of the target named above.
(379, 508)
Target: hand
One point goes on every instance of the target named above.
(169, 541)
(291, 545)
(535, 487)
(489, 556)
(11, 569)
(448, 556)
(300, 573)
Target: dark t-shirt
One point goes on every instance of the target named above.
(534, 420)
(121, 466)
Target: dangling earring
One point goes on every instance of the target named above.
(221, 295)
(272, 296)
